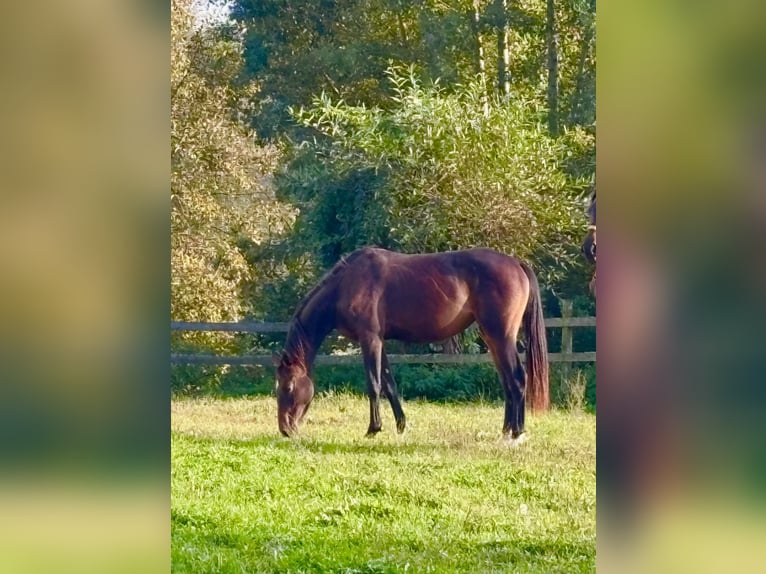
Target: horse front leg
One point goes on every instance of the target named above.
(372, 351)
(391, 392)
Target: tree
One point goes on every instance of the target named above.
(219, 190)
(369, 170)
(299, 48)
(432, 172)
(582, 108)
(503, 50)
(553, 68)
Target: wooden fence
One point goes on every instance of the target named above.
(565, 356)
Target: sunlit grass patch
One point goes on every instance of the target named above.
(447, 496)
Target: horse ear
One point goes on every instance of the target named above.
(283, 359)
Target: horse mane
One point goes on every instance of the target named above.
(297, 337)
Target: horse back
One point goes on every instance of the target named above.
(421, 297)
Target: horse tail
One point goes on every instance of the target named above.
(538, 393)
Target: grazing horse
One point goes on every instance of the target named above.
(589, 244)
(374, 294)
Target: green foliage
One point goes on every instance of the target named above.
(437, 383)
(577, 33)
(218, 186)
(433, 171)
(576, 390)
(440, 383)
(298, 48)
(447, 496)
(394, 157)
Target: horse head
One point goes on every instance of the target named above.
(294, 390)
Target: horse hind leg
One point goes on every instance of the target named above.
(392, 394)
(516, 384)
(513, 380)
(518, 400)
(513, 385)
(499, 319)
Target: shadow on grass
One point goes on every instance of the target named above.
(320, 446)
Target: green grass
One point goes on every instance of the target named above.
(447, 496)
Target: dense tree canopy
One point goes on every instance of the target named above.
(418, 126)
(218, 175)
(297, 49)
(432, 171)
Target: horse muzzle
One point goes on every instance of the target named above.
(290, 419)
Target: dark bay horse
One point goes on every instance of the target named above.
(373, 294)
(589, 244)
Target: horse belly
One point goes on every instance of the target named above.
(424, 325)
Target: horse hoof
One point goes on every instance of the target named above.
(371, 433)
(401, 426)
(519, 440)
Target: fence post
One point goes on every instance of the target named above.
(566, 338)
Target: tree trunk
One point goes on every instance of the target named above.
(503, 54)
(402, 29)
(553, 69)
(575, 114)
(481, 65)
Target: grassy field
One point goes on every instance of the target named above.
(447, 496)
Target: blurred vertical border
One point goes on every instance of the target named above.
(84, 287)
(681, 172)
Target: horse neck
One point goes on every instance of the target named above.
(311, 324)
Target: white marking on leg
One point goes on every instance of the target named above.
(514, 442)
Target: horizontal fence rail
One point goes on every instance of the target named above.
(436, 358)
(243, 327)
(259, 327)
(460, 359)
